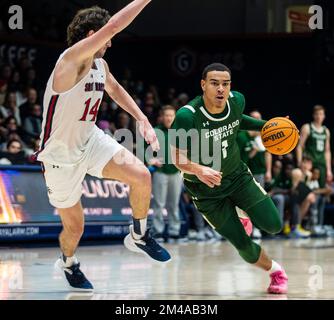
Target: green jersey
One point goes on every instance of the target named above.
(245, 145)
(257, 164)
(315, 144)
(212, 138)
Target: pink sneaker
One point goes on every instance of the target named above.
(279, 282)
(248, 226)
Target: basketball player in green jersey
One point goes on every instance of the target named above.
(315, 143)
(222, 184)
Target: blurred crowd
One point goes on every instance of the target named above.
(292, 183)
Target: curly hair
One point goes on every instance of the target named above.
(93, 18)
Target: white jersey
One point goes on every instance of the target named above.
(69, 117)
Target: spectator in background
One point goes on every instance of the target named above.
(317, 211)
(24, 64)
(3, 91)
(124, 122)
(195, 221)
(171, 97)
(32, 125)
(6, 73)
(182, 100)
(14, 153)
(30, 79)
(279, 195)
(26, 108)
(167, 183)
(11, 125)
(149, 110)
(10, 109)
(153, 92)
(302, 198)
(15, 82)
(31, 158)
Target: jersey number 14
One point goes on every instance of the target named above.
(93, 110)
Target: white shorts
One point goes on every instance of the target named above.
(64, 183)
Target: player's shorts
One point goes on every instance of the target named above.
(238, 189)
(64, 183)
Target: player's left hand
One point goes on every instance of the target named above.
(329, 176)
(148, 133)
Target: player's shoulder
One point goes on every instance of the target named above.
(306, 128)
(185, 117)
(238, 98)
(186, 113)
(190, 109)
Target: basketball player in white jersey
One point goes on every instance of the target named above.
(73, 146)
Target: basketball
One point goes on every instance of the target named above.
(279, 135)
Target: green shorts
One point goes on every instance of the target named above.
(238, 189)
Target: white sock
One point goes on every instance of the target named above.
(274, 267)
(69, 261)
(139, 228)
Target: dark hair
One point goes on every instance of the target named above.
(215, 67)
(168, 107)
(318, 108)
(306, 158)
(93, 18)
(8, 119)
(13, 140)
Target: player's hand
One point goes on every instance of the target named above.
(209, 176)
(148, 134)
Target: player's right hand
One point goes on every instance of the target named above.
(209, 176)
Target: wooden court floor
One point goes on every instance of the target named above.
(198, 271)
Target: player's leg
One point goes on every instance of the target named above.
(222, 216)
(160, 189)
(253, 199)
(250, 196)
(73, 226)
(125, 167)
(112, 161)
(64, 190)
(305, 205)
(322, 168)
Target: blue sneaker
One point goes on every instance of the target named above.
(148, 246)
(74, 276)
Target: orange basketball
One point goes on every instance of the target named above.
(279, 135)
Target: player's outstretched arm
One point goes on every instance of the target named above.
(125, 101)
(87, 47)
(249, 123)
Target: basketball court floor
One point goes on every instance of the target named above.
(198, 271)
